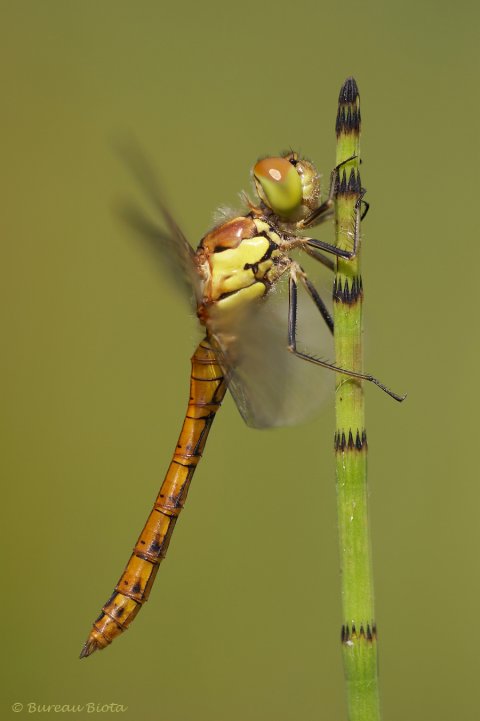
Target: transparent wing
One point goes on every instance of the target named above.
(271, 386)
(169, 243)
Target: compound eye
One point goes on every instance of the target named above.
(280, 183)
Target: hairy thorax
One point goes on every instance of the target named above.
(239, 261)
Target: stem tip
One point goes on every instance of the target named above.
(348, 91)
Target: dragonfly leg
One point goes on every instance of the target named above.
(323, 259)
(296, 241)
(319, 214)
(366, 208)
(314, 295)
(340, 252)
(292, 342)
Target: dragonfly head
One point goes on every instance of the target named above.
(287, 185)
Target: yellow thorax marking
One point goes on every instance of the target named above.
(244, 295)
(228, 267)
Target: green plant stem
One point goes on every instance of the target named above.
(359, 642)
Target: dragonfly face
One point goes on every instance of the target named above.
(288, 187)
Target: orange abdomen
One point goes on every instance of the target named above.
(207, 390)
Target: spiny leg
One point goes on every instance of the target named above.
(323, 259)
(314, 295)
(339, 252)
(366, 208)
(292, 341)
(318, 215)
(296, 241)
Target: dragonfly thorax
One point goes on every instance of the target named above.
(288, 187)
(239, 261)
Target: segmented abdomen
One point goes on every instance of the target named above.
(207, 389)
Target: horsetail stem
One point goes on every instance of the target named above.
(359, 641)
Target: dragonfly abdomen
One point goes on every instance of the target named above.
(207, 390)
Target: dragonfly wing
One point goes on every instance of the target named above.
(169, 242)
(270, 385)
(177, 260)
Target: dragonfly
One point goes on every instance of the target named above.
(237, 267)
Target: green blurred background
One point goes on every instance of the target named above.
(244, 620)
